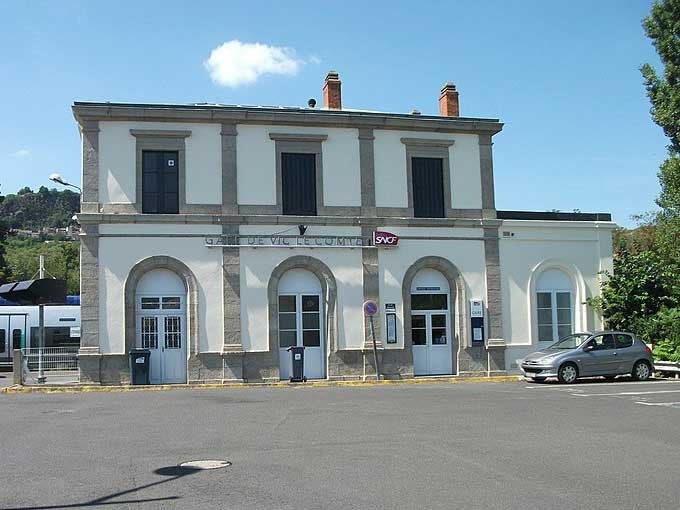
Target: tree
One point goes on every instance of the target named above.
(643, 293)
(663, 28)
(44, 209)
(641, 286)
(3, 262)
(61, 260)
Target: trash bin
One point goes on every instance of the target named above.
(139, 366)
(298, 359)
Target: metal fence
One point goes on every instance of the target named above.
(50, 365)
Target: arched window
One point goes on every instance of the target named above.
(554, 305)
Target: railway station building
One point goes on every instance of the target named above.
(218, 236)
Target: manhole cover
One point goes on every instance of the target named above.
(205, 464)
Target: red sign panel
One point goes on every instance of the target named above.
(382, 238)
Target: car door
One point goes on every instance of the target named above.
(602, 359)
(627, 353)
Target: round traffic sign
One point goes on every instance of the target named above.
(370, 308)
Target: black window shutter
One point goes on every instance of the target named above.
(170, 182)
(298, 184)
(160, 182)
(428, 187)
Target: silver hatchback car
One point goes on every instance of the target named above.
(598, 353)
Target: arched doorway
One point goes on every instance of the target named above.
(161, 324)
(431, 323)
(300, 322)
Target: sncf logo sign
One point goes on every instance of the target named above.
(381, 238)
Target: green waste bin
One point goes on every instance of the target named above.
(298, 361)
(139, 366)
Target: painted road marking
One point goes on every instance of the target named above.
(600, 384)
(662, 404)
(625, 393)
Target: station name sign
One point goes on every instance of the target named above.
(378, 240)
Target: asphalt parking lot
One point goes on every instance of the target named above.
(514, 445)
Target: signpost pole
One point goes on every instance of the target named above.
(375, 350)
(41, 327)
(370, 309)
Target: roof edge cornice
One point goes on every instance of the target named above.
(88, 111)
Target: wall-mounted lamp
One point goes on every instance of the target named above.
(302, 229)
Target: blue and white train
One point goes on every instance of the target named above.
(19, 328)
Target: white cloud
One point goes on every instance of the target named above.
(21, 153)
(235, 63)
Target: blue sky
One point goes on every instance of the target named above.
(562, 76)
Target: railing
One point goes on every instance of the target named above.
(50, 365)
(668, 368)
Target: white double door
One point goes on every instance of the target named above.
(431, 342)
(161, 328)
(301, 325)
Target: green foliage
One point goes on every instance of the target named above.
(62, 260)
(44, 209)
(640, 287)
(643, 293)
(665, 325)
(639, 239)
(3, 262)
(663, 28)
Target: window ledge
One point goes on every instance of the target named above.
(297, 137)
(427, 142)
(160, 133)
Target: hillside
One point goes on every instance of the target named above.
(46, 208)
(37, 212)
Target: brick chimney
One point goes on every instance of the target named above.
(448, 101)
(331, 91)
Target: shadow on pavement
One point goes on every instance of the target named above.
(173, 472)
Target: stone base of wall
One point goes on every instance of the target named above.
(396, 363)
(346, 365)
(89, 367)
(472, 360)
(114, 369)
(480, 359)
(497, 359)
(261, 366)
(234, 367)
(205, 368)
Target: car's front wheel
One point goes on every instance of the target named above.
(642, 371)
(568, 373)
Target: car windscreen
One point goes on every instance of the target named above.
(570, 342)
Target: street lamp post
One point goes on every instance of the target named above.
(60, 180)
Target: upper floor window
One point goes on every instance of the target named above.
(428, 187)
(554, 306)
(160, 182)
(428, 177)
(298, 184)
